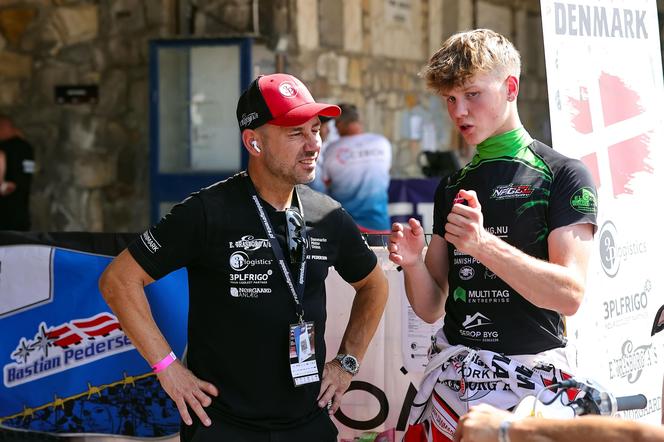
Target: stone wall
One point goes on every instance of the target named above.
(93, 169)
(92, 158)
(370, 52)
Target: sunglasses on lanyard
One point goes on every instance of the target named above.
(296, 235)
(658, 325)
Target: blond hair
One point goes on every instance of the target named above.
(466, 54)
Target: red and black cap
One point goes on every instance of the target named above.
(279, 99)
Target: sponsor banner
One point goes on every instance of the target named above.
(412, 198)
(67, 366)
(383, 391)
(617, 247)
(625, 309)
(604, 77)
(632, 360)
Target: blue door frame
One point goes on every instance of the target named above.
(176, 186)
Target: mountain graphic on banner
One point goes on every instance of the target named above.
(619, 103)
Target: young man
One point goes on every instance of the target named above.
(257, 248)
(512, 235)
(17, 166)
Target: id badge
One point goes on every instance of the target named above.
(302, 354)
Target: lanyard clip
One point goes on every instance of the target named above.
(301, 316)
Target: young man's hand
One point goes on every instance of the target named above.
(465, 224)
(406, 243)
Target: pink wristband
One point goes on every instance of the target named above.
(161, 365)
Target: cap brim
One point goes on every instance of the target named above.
(306, 112)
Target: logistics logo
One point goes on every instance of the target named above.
(239, 261)
(510, 191)
(584, 201)
(460, 294)
(65, 346)
(607, 249)
(613, 251)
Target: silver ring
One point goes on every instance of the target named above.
(329, 404)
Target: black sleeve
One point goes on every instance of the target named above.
(355, 260)
(175, 241)
(573, 197)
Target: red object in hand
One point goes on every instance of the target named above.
(458, 199)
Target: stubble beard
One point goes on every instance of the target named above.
(289, 174)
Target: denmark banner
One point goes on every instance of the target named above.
(604, 75)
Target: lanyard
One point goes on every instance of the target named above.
(296, 287)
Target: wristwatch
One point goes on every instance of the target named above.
(349, 363)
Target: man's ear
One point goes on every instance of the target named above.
(250, 141)
(512, 87)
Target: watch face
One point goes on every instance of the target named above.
(349, 363)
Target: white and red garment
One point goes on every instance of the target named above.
(458, 377)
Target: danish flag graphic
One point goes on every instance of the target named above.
(73, 332)
(619, 104)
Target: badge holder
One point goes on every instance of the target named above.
(302, 354)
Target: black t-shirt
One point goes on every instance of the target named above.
(15, 207)
(240, 308)
(524, 196)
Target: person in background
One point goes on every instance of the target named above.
(257, 248)
(356, 171)
(484, 423)
(17, 166)
(513, 232)
(325, 132)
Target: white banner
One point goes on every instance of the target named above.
(390, 374)
(21, 267)
(604, 76)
